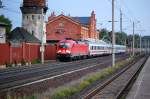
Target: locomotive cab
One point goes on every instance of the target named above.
(70, 49)
(64, 50)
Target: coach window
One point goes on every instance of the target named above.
(27, 17)
(32, 17)
(39, 17)
(97, 47)
(101, 48)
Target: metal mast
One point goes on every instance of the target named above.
(113, 35)
(133, 42)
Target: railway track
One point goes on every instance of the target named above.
(19, 77)
(115, 87)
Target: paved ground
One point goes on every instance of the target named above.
(141, 88)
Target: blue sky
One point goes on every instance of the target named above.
(133, 10)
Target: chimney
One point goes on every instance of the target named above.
(51, 16)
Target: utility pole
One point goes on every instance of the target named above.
(113, 35)
(145, 46)
(133, 42)
(42, 38)
(148, 46)
(140, 45)
(121, 30)
(120, 20)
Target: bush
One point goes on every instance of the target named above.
(23, 62)
(63, 93)
(36, 61)
(8, 64)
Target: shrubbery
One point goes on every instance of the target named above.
(36, 61)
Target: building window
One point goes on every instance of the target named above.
(23, 17)
(33, 17)
(32, 32)
(61, 24)
(27, 17)
(1, 36)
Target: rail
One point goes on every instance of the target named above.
(100, 87)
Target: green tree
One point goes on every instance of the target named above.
(121, 38)
(104, 35)
(130, 40)
(5, 20)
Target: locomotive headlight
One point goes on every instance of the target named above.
(67, 51)
(59, 51)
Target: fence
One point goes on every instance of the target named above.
(25, 52)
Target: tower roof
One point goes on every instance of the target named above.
(38, 3)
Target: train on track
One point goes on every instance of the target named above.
(72, 50)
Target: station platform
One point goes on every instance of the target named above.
(141, 87)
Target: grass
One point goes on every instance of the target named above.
(68, 91)
(36, 61)
(23, 97)
(8, 64)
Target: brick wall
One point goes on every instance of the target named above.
(34, 2)
(62, 28)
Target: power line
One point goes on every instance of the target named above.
(126, 16)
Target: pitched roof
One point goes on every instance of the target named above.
(3, 24)
(82, 20)
(146, 37)
(22, 35)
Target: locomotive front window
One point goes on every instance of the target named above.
(64, 45)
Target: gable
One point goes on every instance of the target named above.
(65, 18)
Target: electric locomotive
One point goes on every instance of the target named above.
(70, 49)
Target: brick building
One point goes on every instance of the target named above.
(61, 27)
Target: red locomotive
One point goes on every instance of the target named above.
(70, 49)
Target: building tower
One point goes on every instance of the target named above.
(33, 12)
